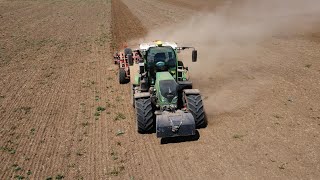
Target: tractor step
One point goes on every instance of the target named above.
(179, 123)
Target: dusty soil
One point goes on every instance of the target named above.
(201, 5)
(64, 114)
(124, 26)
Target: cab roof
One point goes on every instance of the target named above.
(146, 46)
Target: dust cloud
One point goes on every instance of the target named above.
(229, 40)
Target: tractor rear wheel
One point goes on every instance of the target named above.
(145, 117)
(195, 107)
(122, 76)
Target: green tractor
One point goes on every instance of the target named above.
(162, 94)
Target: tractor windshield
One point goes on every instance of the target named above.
(163, 54)
(168, 89)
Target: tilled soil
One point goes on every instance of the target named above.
(64, 114)
(54, 75)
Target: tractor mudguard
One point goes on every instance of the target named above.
(173, 124)
(141, 95)
(184, 85)
(191, 91)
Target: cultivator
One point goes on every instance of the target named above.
(124, 59)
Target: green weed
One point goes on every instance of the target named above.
(29, 172)
(32, 131)
(119, 133)
(119, 116)
(237, 136)
(308, 65)
(8, 149)
(101, 109)
(84, 124)
(19, 177)
(59, 176)
(114, 155)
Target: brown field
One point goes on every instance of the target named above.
(63, 113)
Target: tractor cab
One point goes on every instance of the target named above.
(161, 56)
(160, 59)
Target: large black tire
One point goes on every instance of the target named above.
(122, 76)
(145, 115)
(195, 107)
(130, 59)
(127, 51)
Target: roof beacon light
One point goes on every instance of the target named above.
(159, 43)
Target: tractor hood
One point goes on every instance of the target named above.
(166, 88)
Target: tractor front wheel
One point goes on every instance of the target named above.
(145, 117)
(122, 76)
(195, 107)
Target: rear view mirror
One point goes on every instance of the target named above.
(194, 56)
